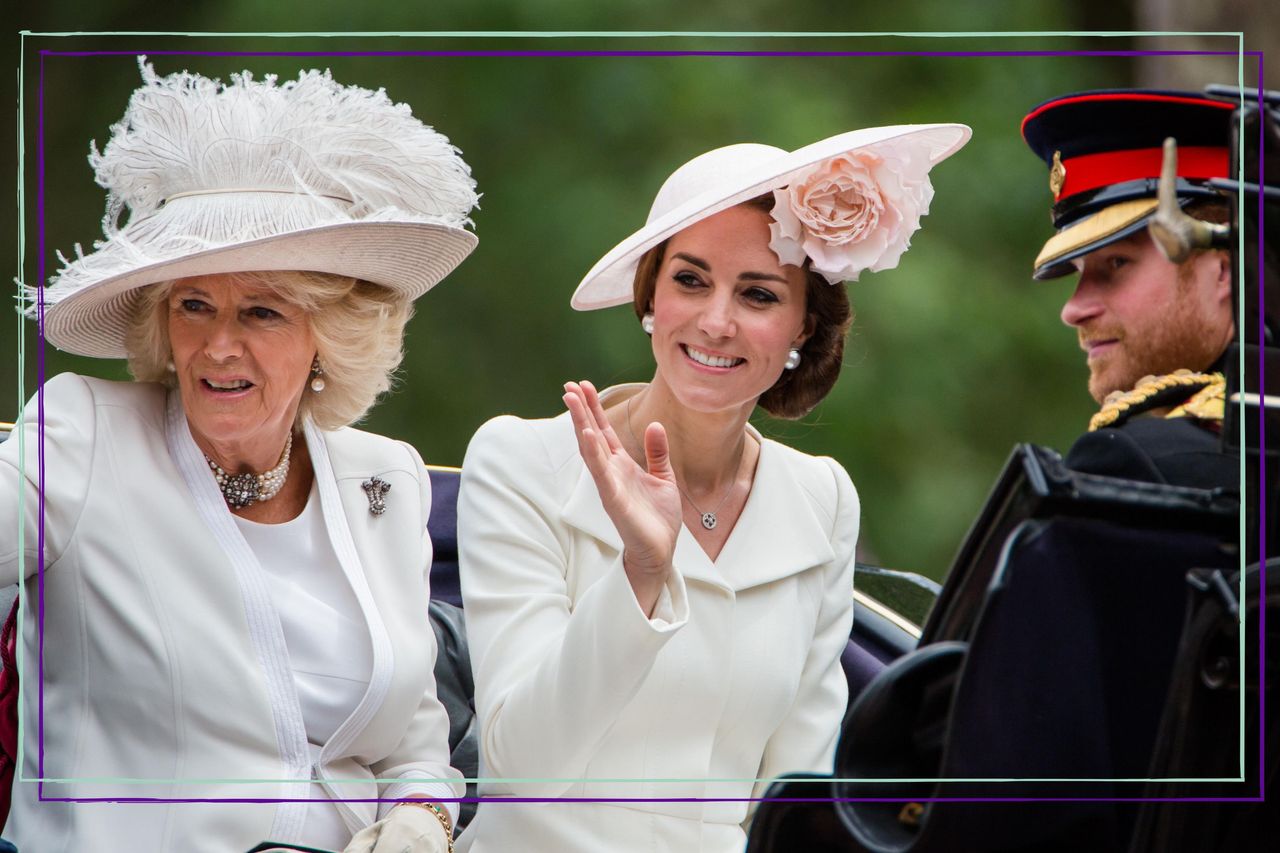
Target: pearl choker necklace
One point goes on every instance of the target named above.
(242, 490)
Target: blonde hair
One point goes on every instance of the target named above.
(358, 328)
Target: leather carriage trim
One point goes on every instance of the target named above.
(880, 609)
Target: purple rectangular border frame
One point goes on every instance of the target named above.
(40, 377)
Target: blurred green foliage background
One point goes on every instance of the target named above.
(954, 356)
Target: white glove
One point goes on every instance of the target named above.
(406, 829)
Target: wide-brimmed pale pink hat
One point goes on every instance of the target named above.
(254, 175)
(848, 203)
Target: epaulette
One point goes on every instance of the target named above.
(1191, 394)
(1207, 404)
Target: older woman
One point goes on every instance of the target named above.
(229, 585)
(657, 595)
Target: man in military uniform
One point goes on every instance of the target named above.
(1154, 332)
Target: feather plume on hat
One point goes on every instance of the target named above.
(249, 175)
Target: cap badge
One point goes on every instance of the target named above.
(1057, 175)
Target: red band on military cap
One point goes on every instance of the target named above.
(1090, 171)
(1124, 96)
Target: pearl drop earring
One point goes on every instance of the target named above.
(646, 323)
(793, 359)
(317, 375)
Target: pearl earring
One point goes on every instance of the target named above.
(317, 375)
(646, 323)
(169, 366)
(793, 359)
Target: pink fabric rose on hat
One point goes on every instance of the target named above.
(853, 212)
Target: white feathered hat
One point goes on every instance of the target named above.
(254, 175)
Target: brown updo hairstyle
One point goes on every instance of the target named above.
(827, 305)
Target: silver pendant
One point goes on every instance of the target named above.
(709, 520)
(375, 489)
(241, 490)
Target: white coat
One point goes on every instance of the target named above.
(165, 670)
(579, 695)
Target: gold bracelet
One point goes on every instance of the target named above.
(441, 815)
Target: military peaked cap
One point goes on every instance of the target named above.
(1103, 150)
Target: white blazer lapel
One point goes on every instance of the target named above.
(585, 512)
(338, 525)
(781, 530)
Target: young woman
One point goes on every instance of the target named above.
(657, 596)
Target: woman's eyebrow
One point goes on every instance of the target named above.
(697, 262)
(762, 276)
(749, 276)
(266, 296)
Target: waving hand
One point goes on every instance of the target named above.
(644, 505)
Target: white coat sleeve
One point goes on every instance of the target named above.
(805, 742)
(420, 762)
(551, 674)
(68, 417)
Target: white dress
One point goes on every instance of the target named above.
(579, 695)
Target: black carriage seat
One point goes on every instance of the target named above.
(1068, 617)
(454, 685)
(1048, 655)
(443, 527)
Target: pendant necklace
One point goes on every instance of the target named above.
(242, 490)
(709, 520)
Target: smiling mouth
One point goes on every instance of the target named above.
(1093, 348)
(706, 359)
(228, 387)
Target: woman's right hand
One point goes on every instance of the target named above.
(643, 505)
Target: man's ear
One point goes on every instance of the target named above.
(1222, 284)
